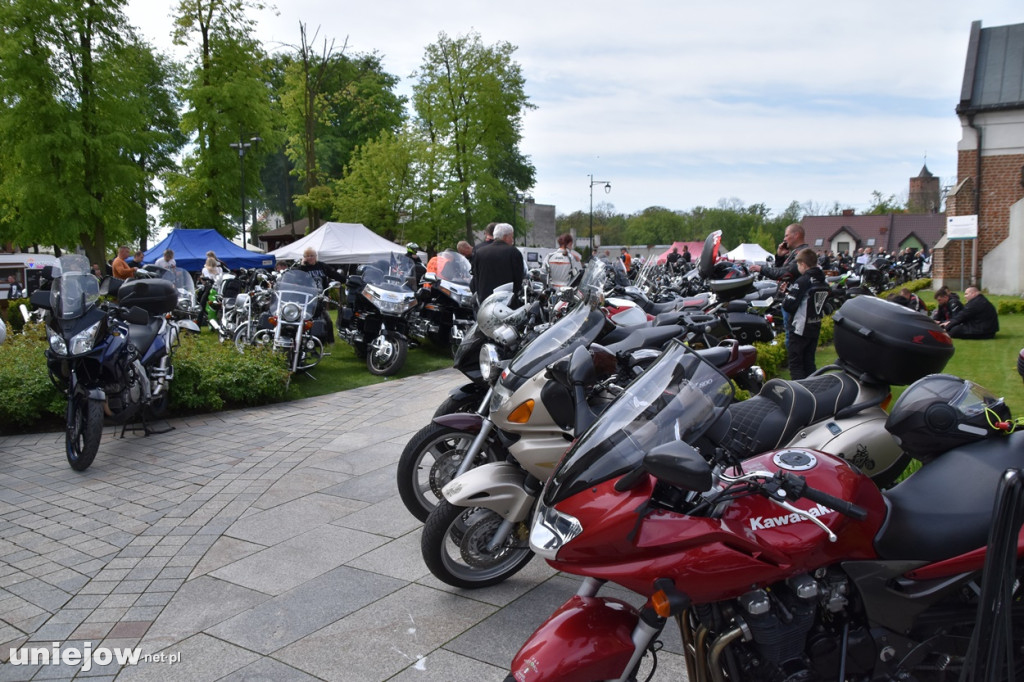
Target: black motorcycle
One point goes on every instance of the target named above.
(110, 360)
(445, 312)
(375, 319)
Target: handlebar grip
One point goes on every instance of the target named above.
(841, 506)
(799, 488)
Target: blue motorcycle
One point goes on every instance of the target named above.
(112, 361)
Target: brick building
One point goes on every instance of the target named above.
(990, 184)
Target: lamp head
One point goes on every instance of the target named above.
(607, 187)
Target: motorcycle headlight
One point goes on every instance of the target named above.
(83, 341)
(57, 344)
(490, 366)
(291, 312)
(500, 396)
(552, 530)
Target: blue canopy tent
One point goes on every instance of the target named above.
(190, 247)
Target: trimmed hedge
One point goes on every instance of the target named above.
(914, 286)
(1011, 307)
(214, 376)
(26, 394)
(207, 377)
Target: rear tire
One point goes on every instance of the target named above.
(454, 546)
(82, 431)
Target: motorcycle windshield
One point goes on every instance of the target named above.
(180, 278)
(677, 398)
(296, 286)
(76, 290)
(578, 328)
(454, 267)
(395, 273)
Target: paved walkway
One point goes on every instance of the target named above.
(259, 544)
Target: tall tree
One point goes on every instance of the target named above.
(72, 131)
(469, 101)
(228, 103)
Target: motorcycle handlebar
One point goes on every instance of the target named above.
(797, 487)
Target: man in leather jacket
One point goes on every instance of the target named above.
(977, 320)
(792, 244)
(948, 305)
(322, 275)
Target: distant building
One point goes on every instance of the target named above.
(925, 193)
(539, 223)
(990, 168)
(848, 233)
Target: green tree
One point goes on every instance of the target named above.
(654, 225)
(228, 101)
(77, 121)
(332, 104)
(882, 205)
(469, 101)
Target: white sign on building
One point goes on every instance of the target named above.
(962, 227)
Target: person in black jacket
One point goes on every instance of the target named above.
(977, 320)
(322, 275)
(498, 263)
(792, 244)
(805, 303)
(947, 305)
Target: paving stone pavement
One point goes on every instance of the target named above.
(260, 544)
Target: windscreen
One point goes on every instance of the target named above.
(677, 398)
(578, 328)
(76, 290)
(454, 267)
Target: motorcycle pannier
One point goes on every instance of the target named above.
(155, 296)
(892, 343)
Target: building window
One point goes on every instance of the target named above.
(819, 242)
(871, 242)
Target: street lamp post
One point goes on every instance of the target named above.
(607, 189)
(242, 148)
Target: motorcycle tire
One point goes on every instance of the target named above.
(430, 460)
(454, 547)
(463, 403)
(391, 361)
(244, 336)
(82, 437)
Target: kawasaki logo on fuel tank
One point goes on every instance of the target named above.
(762, 523)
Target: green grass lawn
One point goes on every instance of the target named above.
(991, 363)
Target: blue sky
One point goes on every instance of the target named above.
(683, 104)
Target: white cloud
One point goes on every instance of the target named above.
(682, 102)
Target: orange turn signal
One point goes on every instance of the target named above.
(307, 325)
(521, 414)
(272, 320)
(661, 604)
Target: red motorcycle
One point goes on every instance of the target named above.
(791, 566)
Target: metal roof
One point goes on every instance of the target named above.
(994, 72)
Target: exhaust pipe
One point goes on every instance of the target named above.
(215, 325)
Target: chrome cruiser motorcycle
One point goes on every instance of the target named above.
(110, 361)
(445, 313)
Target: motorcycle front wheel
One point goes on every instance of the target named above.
(244, 336)
(463, 403)
(82, 431)
(455, 547)
(312, 353)
(430, 459)
(387, 357)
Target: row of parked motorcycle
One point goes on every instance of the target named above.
(772, 530)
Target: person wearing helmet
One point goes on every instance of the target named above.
(419, 269)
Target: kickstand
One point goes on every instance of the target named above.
(144, 426)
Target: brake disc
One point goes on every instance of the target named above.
(474, 541)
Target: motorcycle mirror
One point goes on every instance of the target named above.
(679, 464)
(40, 299)
(431, 277)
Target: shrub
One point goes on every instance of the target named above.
(1010, 307)
(212, 376)
(15, 322)
(26, 393)
(914, 286)
(771, 356)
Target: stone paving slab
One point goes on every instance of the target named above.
(258, 544)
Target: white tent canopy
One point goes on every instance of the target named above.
(750, 253)
(340, 244)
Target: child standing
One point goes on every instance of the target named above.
(805, 301)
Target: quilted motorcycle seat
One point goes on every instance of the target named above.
(771, 418)
(945, 508)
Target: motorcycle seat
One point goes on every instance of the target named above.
(769, 419)
(945, 508)
(666, 307)
(645, 337)
(142, 335)
(832, 392)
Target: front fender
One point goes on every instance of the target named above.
(470, 422)
(587, 638)
(498, 486)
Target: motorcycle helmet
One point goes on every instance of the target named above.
(412, 247)
(496, 319)
(728, 270)
(941, 411)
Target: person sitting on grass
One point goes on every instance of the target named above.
(977, 320)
